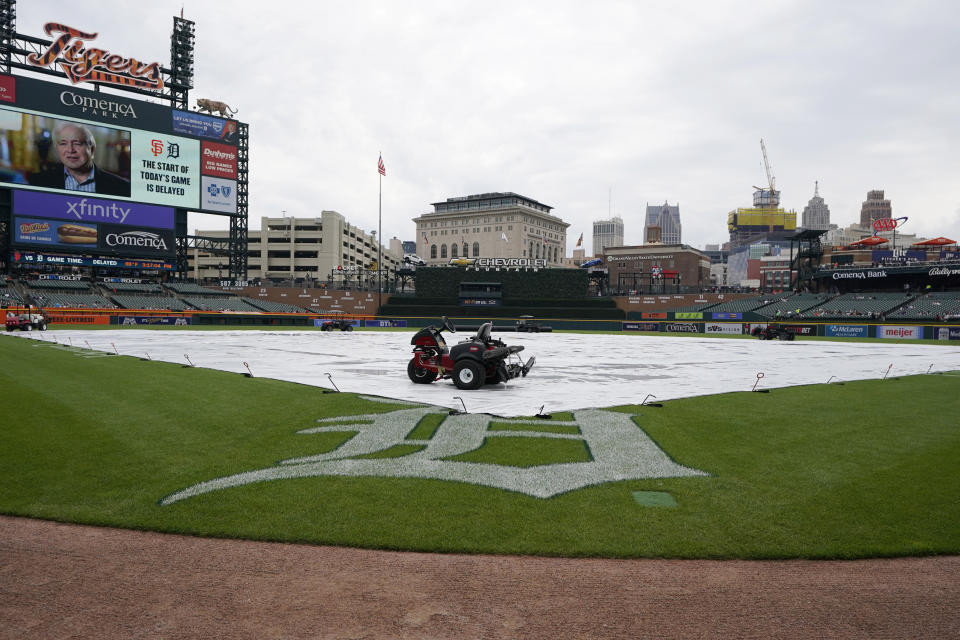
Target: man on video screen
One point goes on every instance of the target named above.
(77, 171)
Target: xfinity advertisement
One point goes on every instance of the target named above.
(84, 209)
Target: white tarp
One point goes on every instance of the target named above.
(572, 371)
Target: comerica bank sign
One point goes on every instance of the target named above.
(859, 275)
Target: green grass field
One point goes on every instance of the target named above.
(862, 469)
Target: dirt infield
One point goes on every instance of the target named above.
(68, 581)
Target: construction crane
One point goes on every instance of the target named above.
(763, 197)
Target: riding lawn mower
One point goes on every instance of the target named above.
(472, 363)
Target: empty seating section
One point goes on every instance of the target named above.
(9, 295)
(73, 285)
(128, 301)
(933, 306)
(132, 287)
(739, 306)
(190, 289)
(275, 307)
(693, 308)
(229, 303)
(72, 300)
(780, 306)
(858, 305)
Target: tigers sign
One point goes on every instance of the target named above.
(83, 64)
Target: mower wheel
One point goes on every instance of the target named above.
(468, 375)
(420, 375)
(348, 327)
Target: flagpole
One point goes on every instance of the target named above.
(380, 244)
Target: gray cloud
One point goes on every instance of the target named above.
(591, 108)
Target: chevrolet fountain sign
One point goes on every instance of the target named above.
(502, 263)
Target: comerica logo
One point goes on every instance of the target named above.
(136, 239)
(71, 99)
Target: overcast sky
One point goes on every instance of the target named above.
(594, 108)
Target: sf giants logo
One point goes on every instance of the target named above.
(94, 65)
(156, 148)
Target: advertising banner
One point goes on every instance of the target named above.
(845, 331)
(93, 106)
(944, 271)
(480, 302)
(202, 126)
(63, 317)
(54, 233)
(726, 316)
(219, 194)
(680, 327)
(802, 329)
(83, 209)
(654, 316)
(688, 315)
(946, 333)
(641, 326)
(156, 320)
(385, 323)
(218, 160)
(8, 89)
(723, 327)
(903, 332)
(136, 241)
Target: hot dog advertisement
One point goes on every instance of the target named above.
(42, 231)
(77, 234)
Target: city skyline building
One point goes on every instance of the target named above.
(607, 233)
(667, 218)
(874, 207)
(816, 215)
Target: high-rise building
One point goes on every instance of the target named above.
(667, 218)
(749, 225)
(875, 206)
(607, 233)
(816, 215)
(491, 225)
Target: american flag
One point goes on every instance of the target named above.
(425, 240)
(382, 169)
(580, 241)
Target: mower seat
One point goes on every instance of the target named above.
(483, 333)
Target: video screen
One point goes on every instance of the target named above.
(66, 155)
